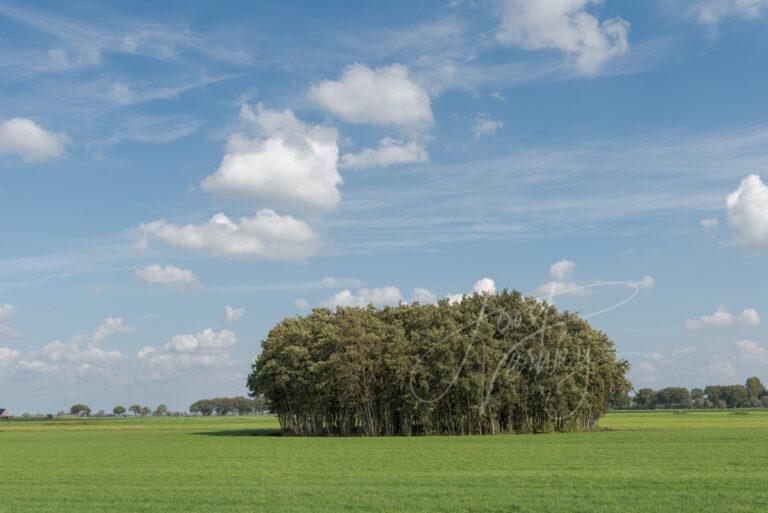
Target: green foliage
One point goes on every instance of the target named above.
(161, 411)
(489, 364)
(227, 405)
(118, 410)
(81, 410)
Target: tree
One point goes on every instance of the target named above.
(161, 411)
(118, 410)
(755, 388)
(135, 409)
(645, 398)
(81, 410)
(145, 410)
(204, 407)
(488, 364)
(673, 396)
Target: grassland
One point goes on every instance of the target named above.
(639, 462)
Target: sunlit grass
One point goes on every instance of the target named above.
(639, 462)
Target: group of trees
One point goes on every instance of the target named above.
(83, 410)
(751, 394)
(230, 405)
(489, 363)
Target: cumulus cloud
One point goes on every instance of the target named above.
(232, 314)
(267, 235)
(747, 209)
(709, 225)
(111, 326)
(8, 357)
(301, 304)
(567, 26)
(423, 296)
(560, 270)
(186, 352)
(712, 11)
(169, 276)
(751, 353)
(646, 282)
(481, 286)
(287, 164)
(6, 313)
(483, 125)
(81, 356)
(30, 141)
(722, 317)
(364, 297)
(383, 96)
(390, 152)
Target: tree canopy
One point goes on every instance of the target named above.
(487, 364)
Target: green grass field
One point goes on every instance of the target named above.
(639, 462)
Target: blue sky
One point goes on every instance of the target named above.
(176, 179)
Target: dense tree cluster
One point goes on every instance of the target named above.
(489, 363)
(753, 394)
(230, 405)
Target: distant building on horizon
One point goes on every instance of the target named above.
(4, 413)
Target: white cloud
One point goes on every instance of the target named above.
(301, 304)
(564, 25)
(646, 282)
(384, 96)
(7, 358)
(205, 341)
(267, 235)
(390, 152)
(423, 296)
(111, 326)
(232, 314)
(712, 11)
(722, 317)
(169, 276)
(29, 140)
(186, 352)
(747, 210)
(481, 286)
(560, 270)
(484, 286)
(709, 225)
(6, 313)
(364, 297)
(751, 353)
(81, 356)
(288, 164)
(484, 125)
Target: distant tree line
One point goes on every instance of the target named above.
(230, 406)
(750, 395)
(487, 364)
(83, 410)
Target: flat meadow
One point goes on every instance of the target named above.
(699, 461)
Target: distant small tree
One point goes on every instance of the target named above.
(118, 410)
(81, 410)
(203, 406)
(135, 409)
(145, 410)
(161, 411)
(755, 388)
(697, 393)
(645, 398)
